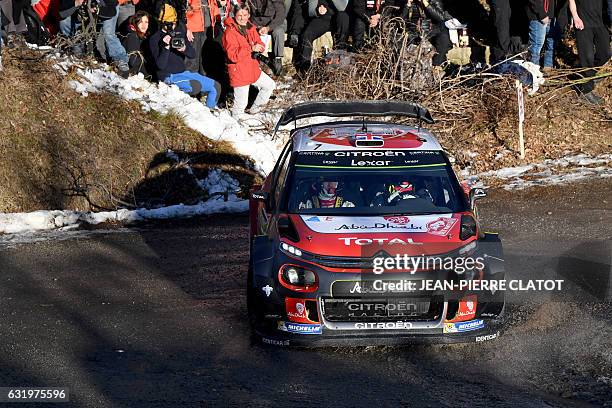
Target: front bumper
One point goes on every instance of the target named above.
(490, 331)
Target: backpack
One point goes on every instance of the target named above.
(37, 32)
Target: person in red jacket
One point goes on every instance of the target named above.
(201, 15)
(242, 44)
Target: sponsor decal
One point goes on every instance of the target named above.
(487, 337)
(466, 310)
(384, 325)
(267, 290)
(441, 226)
(381, 241)
(397, 219)
(375, 224)
(379, 225)
(297, 310)
(274, 342)
(299, 328)
(462, 327)
(394, 138)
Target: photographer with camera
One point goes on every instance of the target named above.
(169, 47)
(243, 48)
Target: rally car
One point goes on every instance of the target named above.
(362, 233)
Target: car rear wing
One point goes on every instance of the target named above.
(354, 108)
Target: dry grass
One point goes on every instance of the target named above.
(476, 114)
(62, 151)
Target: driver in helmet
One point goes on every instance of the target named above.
(396, 192)
(326, 197)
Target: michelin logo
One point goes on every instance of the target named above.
(299, 328)
(462, 327)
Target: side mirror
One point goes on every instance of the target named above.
(287, 229)
(476, 194)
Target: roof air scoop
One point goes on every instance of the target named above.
(368, 140)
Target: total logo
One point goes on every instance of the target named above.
(380, 241)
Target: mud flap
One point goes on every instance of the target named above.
(262, 296)
(491, 303)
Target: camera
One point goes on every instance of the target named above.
(177, 41)
(260, 57)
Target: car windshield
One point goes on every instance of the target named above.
(373, 182)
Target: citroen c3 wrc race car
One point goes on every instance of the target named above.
(362, 235)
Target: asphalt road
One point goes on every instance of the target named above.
(156, 317)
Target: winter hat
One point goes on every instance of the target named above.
(167, 14)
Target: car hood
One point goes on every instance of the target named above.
(361, 236)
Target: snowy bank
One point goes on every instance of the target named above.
(218, 185)
(550, 172)
(247, 138)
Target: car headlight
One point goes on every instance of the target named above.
(297, 278)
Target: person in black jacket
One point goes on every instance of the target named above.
(366, 15)
(592, 42)
(509, 21)
(542, 31)
(135, 43)
(268, 16)
(169, 47)
(429, 18)
(325, 16)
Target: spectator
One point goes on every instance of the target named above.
(15, 26)
(127, 8)
(107, 15)
(201, 14)
(242, 43)
(430, 19)
(543, 31)
(592, 42)
(70, 22)
(367, 15)
(169, 47)
(508, 18)
(268, 16)
(297, 14)
(325, 16)
(135, 43)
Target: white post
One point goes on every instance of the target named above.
(521, 112)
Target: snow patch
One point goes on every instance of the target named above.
(219, 185)
(550, 172)
(248, 138)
